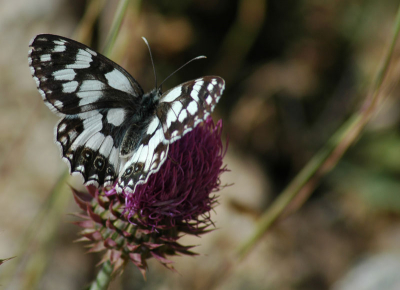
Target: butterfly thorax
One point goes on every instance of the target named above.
(149, 102)
(134, 133)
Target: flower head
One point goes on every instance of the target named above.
(181, 190)
(177, 199)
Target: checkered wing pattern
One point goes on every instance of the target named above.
(110, 130)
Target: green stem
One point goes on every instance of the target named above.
(116, 25)
(103, 278)
(382, 72)
(328, 156)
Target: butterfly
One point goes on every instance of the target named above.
(110, 129)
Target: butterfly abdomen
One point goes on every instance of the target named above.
(132, 139)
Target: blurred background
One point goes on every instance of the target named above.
(295, 71)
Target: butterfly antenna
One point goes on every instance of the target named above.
(151, 57)
(196, 58)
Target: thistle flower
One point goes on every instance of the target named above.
(175, 200)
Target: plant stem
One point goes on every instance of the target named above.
(328, 156)
(112, 36)
(103, 278)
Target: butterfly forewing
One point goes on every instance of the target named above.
(188, 105)
(108, 129)
(73, 79)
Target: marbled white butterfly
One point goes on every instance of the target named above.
(110, 129)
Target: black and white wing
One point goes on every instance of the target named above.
(180, 110)
(96, 98)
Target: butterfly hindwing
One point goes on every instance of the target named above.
(146, 159)
(89, 150)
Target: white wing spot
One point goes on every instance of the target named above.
(45, 57)
(59, 48)
(214, 82)
(94, 176)
(83, 56)
(209, 100)
(177, 107)
(59, 42)
(80, 168)
(78, 65)
(114, 158)
(95, 141)
(182, 116)
(210, 87)
(119, 81)
(155, 140)
(91, 51)
(88, 97)
(116, 116)
(192, 108)
(91, 85)
(162, 155)
(106, 147)
(199, 82)
(36, 81)
(91, 124)
(62, 128)
(153, 126)
(84, 53)
(69, 87)
(42, 94)
(174, 134)
(197, 87)
(64, 75)
(172, 95)
(58, 104)
(136, 155)
(195, 95)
